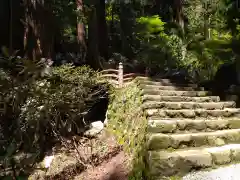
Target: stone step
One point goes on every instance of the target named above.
(176, 93)
(172, 88)
(166, 82)
(167, 163)
(157, 141)
(188, 105)
(157, 79)
(193, 113)
(180, 98)
(178, 125)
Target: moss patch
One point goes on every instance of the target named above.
(127, 121)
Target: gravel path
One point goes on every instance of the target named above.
(231, 172)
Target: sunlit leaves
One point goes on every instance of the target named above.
(151, 24)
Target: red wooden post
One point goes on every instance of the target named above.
(120, 75)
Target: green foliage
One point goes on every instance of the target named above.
(128, 123)
(66, 17)
(151, 25)
(60, 101)
(205, 41)
(42, 109)
(110, 16)
(238, 32)
(156, 47)
(207, 55)
(225, 36)
(149, 31)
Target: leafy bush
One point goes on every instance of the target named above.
(61, 101)
(128, 123)
(16, 80)
(156, 47)
(41, 109)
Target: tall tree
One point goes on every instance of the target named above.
(178, 6)
(81, 28)
(102, 29)
(93, 51)
(38, 30)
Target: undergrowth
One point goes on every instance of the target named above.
(42, 109)
(127, 122)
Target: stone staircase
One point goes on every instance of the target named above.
(188, 129)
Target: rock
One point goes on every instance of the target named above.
(179, 139)
(169, 163)
(220, 155)
(182, 125)
(214, 124)
(95, 128)
(199, 125)
(159, 126)
(234, 123)
(158, 141)
(162, 163)
(216, 141)
(151, 112)
(235, 153)
(197, 158)
(47, 161)
(188, 113)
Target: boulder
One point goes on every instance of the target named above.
(95, 128)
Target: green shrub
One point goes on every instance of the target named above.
(157, 49)
(61, 101)
(41, 109)
(127, 122)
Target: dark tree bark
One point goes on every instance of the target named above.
(93, 52)
(179, 13)
(12, 29)
(81, 29)
(102, 29)
(38, 30)
(126, 23)
(4, 18)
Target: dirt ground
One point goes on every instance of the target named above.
(101, 158)
(112, 169)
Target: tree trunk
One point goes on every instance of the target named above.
(81, 29)
(179, 14)
(38, 30)
(206, 21)
(47, 29)
(207, 29)
(102, 29)
(93, 53)
(126, 17)
(5, 21)
(11, 27)
(31, 33)
(157, 7)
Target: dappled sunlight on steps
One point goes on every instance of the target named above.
(188, 128)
